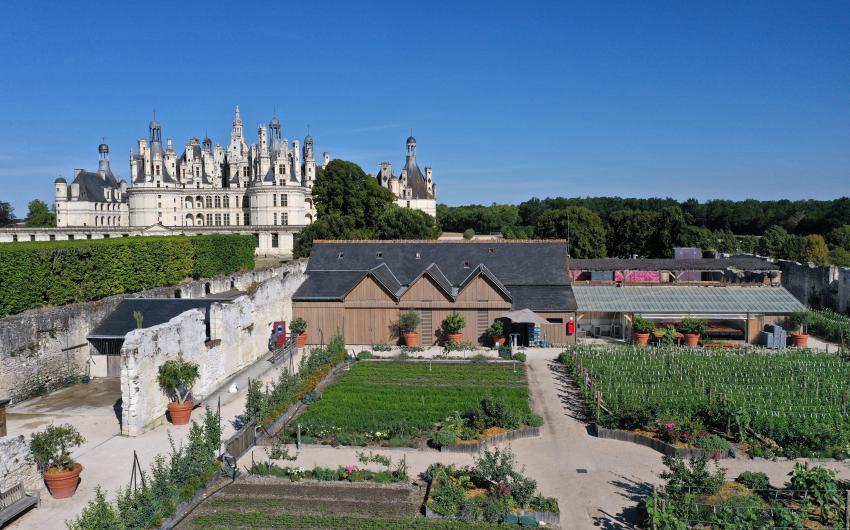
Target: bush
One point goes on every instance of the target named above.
(298, 326)
(51, 448)
(468, 233)
(754, 480)
(642, 325)
(533, 420)
(692, 326)
(496, 329)
(496, 413)
(176, 377)
(519, 357)
(61, 272)
(443, 438)
(712, 443)
(446, 499)
(365, 354)
(97, 515)
(408, 321)
(454, 323)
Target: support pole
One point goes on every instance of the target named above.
(298, 436)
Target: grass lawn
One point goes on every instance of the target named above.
(398, 401)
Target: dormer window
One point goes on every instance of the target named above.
(379, 255)
(491, 250)
(418, 255)
(465, 264)
(339, 256)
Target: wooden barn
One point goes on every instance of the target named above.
(358, 288)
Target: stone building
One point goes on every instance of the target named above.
(412, 188)
(94, 198)
(267, 183)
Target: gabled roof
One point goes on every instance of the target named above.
(685, 299)
(433, 271)
(387, 279)
(92, 185)
(482, 270)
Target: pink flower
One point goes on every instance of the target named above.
(504, 489)
(350, 469)
(671, 425)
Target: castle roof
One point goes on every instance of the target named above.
(92, 185)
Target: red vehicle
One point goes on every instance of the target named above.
(278, 336)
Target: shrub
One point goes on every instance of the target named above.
(298, 326)
(408, 321)
(381, 347)
(519, 357)
(51, 448)
(97, 515)
(222, 254)
(454, 323)
(694, 475)
(496, 329)
(712, 443)
(692, 326)
(642, 325)
(469, 233)
(176, 377)
(533, 420)
(446, 499)
(443, 438)
(365, 354)
(754, 480)
(496, 413)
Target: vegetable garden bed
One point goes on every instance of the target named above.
(401, 403)
(779, 403)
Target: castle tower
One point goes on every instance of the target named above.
(103, 164)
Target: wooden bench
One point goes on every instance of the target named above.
(16, 501)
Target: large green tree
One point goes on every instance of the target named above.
(840, 237)
(774, 242)
(328, 226)
(39, 214)
(580, 226)
(396, 222)
(632, 233)
(344, 188)
(7, 214)
(816, 250)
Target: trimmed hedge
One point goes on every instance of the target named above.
(61, 272)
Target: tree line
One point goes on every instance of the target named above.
(39, 214)
(806, 230)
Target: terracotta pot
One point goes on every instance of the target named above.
(641, 339)
(800, 340)
(301, 340)
(455, 337)
(180, 413)
(411, 338)
(692, 339)
(63, 484)
(499, 340)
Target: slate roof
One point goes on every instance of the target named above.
(536, 271)
(644, 264)
(684, 299)
(416, 180)
(92, 185)
(155, 311)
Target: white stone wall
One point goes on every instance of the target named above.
(15, 466)
(239, 333)
(428, 206)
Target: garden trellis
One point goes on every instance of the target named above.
(798, 399)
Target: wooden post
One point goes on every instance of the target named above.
(3, 403)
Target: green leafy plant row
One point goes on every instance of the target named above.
(61, 272)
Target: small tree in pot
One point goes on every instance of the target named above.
(176, 377)
(299, 327)
(692, 328)
(408, 321)
(642, 328)
(801, 319)
(51, 452)
(452, 326)
(497, 332)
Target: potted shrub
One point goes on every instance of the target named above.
(452, 326)
(299, 327)
(692, 328)
(51, 452)
(408, 321)
(641, 328)
(497, 332)
(801, 319)
(176, 377)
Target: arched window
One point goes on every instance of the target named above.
(189, 203)
(209, 201)
(199, 202)
(217, 201)
(199, 220)
(227, 201)
(190, 221)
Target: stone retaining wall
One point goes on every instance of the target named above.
(15, 466)
(652, 443)
(238, 336)
(41, 348)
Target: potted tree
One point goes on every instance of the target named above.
(299, 327)
(497, 332)
(692, 328)
(408, 321)
(51, 452)
(452, 326)
(641, 328)
(801, 319)
(176, 377)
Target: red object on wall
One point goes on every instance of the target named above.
(571, 327)
(279, 331)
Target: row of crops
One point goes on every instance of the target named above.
(829, 325)
(391, 400)
(796, 402)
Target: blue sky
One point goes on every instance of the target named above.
(508, 100)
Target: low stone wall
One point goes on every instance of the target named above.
(821, 286)
(15, 465)
(652, 443)
(238, 336)
(41, 348)
(527, 432)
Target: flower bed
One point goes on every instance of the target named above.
(651, 440)
(492, 490)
